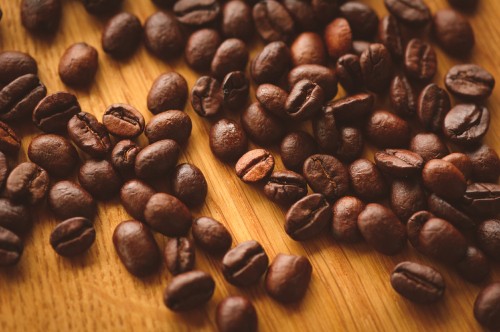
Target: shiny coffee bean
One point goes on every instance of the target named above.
(414, 13)
(352, 109)
(348, 70)
(448, 211)
(271, 64)
(466, 124)
(262, 127)
(407, 197)
(307, 48)
(235, 88)
(27, 183)
(53, 153)
(53, 112)
(485, 164)
(325, 132)
(362, 19)
(326, 175)
(197, 12)
(474, 266)
(255, 165)
(420, 60)
(189, 290)
(307, 217)
(285, 187)
(389, 35)
(488, 238)
(387, 130)
(323, 76)
(67, 200)
(122, 35)
(162, 45)
(304, 101)
(19, 98)
(100, 179)
(399, 163)
(453, 32)
(78, 65)
(89, 135)
(245, 264)
(167, 215)
(460, 161)
(123, 158)
(273, 99)
(157, 159)
(345, 219)
(11, 248)
(237, 20)
(134, 196)
(338, 38)
(303, 14)
(15, 217)
(72, 237)
(295, 148)
(487, 307)
(288, 278)
(429, 146)
(350, 144)
(123, 121)
(41, 16)
(367, 181)
(14, 64)
(201, 47)
(168, 92)
(228, 141)
(403, 99)
(272, 21)
(211, 235)
(188, 184)
(414, 226)
(179, 255)
(483, 198)
(440, 240)
(325, 10)
(236, 313)
(469, 82)
(9, 142)
(232, 55)
(206, 96)
(444, 179)
(173, 125)
(433, 105)
(377, 68)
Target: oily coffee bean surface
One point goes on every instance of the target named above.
(486, 307)
(53, 112)
(236, 313)
(201, 47)
(255, 165)
(288, 278)
(488, 236)
(376, 66)
(206, 96)
(237, 20)
(304, 101)
(261, 126)
(307, 217)
(389, 35)
(460, 161)
(296, 147)
(453, 32)
(348, 71)
(211, 235)
(420, 60)
(19, 98)
(245, 264)
(440, 240)
(9, 142)
(387, 130)
(399, 163)
(474, 266)
(338, 38)
(157, 159)
(433, 105)
(196, 12)
(485, 164)
(41, 16)
(469, 82)
(407, 197)
(27, 183)
(285, 187)
(100, 179)
(444, 179)
(272, 21)
(89, 135)
(179, 255)
(78, 65)
(68, 199)
(72, 237)
(123, 121)
(188, 184)
(167, 215)
(161, 44)
(174, 125)
(11, 248)
(466, 124)
(53, 153)
(307, 48)
(15, 217)
(14, 64)
(123, 158)
(228, 141)
(429, 146)
(483, 198)
(189, 290)
(232, 55)
(235, 88)
(134, 196)
(271, 64)
(122, 35)
(448, 211)
(367, 181)
(326, 175)
(321, 75)
(101, 7)
(410, 12)
(362, 19)
(403, 99)
(345, 219)
(168, 92)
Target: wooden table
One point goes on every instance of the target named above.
(350, 287)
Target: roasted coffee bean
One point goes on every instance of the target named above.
(156, 159)
(390, 36)
(304, 101)
(236, 313)
(323, 76)
(227, 140)
(67, 200)
(387, 130)
(78, 65)
(485, 164)
(197, 12)
(288, 278)
(307, 48)
(53, 153)
(161, 44)
(325, 132)
(123, 121)
(255, 165)
(433, 105)
(134, 196)
(429, 146)
(189, 185)
(460, 161)
(326, 175)
(206, 96)
(440, 240)
(167, 215)
(272, 98)
(350, 144)
(72, 237)
(174, 125)
(338, 38)
(487, 307)
(201, 47)
(382, 229)
(189, 290)
(411, 12)
(41, 16)
(418, 283)
(211, 235)
(444, 179)
(403, 99)
(483, 198)
(9, 142)
(362, 19)
(469, 82)
(488, 238)
(179, 255)
(453, 32)
(11, 248)
(474, 266)
(345, 219)
(295, 148)
(53, 112)
(414, 226)
(123, 158)
(122, 35)
(399, 163)
(27, 183)
(245, 264)
(136, 247)
(376, 66)
(449, 212)
(308, 217)
(420, 60)
(14, 217)
(466, 124)
(168, 92)
(407, 197)
(367, 181)
(352, 109)
(262, 127)
(272, 21)
(325, 10)
(348, 70)
(237, 20)
(359, 46)
(235, 88)
(232, 55)
(89, 135)
(271, 64)
(4, 169)
(101, 7)
(464, 4)
(100, 179)
(19, 98)
(285, 187)
(14, 64)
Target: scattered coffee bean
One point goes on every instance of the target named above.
(345, 219)
(206, 96)
(390, 36)
(469, 82)
(197, 12)
(322, 76)
(255, 165)
(288, 278)
(67, 200)
(308, 48)
(414, 226)
(157, 159)
(123, 158)
(227, 140)
(167, 215)
(168, 92)
(272, 21)
(285, 187)
(235, 88)
(245, 264)
(72, 237)
(236, 313)
(488, 237)
(11, 248)
(338, 38)
(162, 45)
(411, 12)
(201, 47)
(100, 179)
(27, 183)
(433, 105)
(420, 60)
(53, 112)
(307, 217)
(352, 109)
(295, 148)
(429, 146)
(179, 255)
(273, 99)
(325, 132)
(19, 98)
(407, 198)
(189, 185)
(440, 240)
(444, 179)
(483, 198)
(303, 14)
(362, 19)
(89, 135)
(350, 144)
(460, 161)
(134, 196)
(189, 290)
(14, 64)
(474, 266)
(53, 153)
(14, 217)
(232, 55)
(41, 16)
(485, 164)
(453, 32)
(78, 65)
(9, 142)
(326, 175)
(123, 121)
(466, 124)
(122, 35)
(449, 212)
(237, 20)
(304, 101)
(487, 307)
(387, 130)
(101, 7)
(262, 127)
(271, 64)
(348, 70)
(399, 163)
(376, 66)
(403, 99)
(211, 235)
(173, 125)
(367, 181)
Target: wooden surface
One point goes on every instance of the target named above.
(350, 287)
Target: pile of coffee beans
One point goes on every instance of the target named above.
(432, 182)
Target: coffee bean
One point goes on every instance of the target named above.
(236, 313)
(211, 235)
(173, 125)
(232, 55)
(323, 76)
(72, 237)
(288, 278)
(474, 266)
(466, 124)
(27, 183)
(134, 196)
(359, 46)
(352, 109)
(53, 112)
(188, 291)
(162, 45)
(399, 163)
(262, 128)
(41, 16)
(272, 98)
(11, 248)
(101, 7)
(387, 130)
(486, 307)
(348, 70)
(123, 121)
(307, 217)
(367, 181)
(206, 96)
(488, 238)
(168, 92)
(362, 19)
(464, 4)
(78, 65)
(390, 36)
(345, 219)
(89, 135)
(411, 12)
(179, 255)
(460, 161)
(403, 99)
(407, 198)
(444, 179)
(483, 198)
(201, 47)
(197, 12)
(382, 229)
(414, 226)
(271, 64)
(237, 20)
(53, 153)
(227, 140)
(14, 64)
(123, 158)
(235, 88)
(255, 165)
(122, 35)
(67, 200)
(272, 21)
(485, 164)
(338, 38)
(304, 101)
(295, 148)
(167, 215)
(285, 187)
(418, 283)
(4, 169)
(453, 32)
(433, 105)
(325, 10)
(307, 48)
(14, 217)
(100, 179)
(420, 60)
(136, 247)
(440, 240)
(350, 144)
(9, 142)
(469, 82)
(326, 175)
(429, 146)
(449, 212)
(376, 66)
(189, 185)
(19, 98)
(245, 264)
(325, 132)
(157, 159)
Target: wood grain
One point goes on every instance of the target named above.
(350, 287)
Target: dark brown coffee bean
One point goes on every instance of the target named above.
(179, 255)
(325, 10)
(14, 217)
(67, 200)
(123, 121)
(122, 35)
(444, 179)
(72, 237)
(100, 179)
(197, 12)
(201, 47)
(440, 240)
(308, 48)
(449, 212)
(352, 109)
(326, 175)
(41, 16)
(271, 64)
(376, 66)
(285, 187)
(345, 219)
(134, 196)
(399, 163)
(255, 165)
(53, 153)
(288, 278)
(487, 307)
(168, 92)
(27, 183)
(338, 38)
(350, 144)
(348, 70)
(407, 198)
(464, 4)
(228, 141)
(272, 21)
(4, 169)
(453, 32)
(136, 247)
(206, 96)
(414, 226)
(188, 291)
(359, 46)
(235, 88)
(323, 76)
(189, 185)
(262, 128)
(433, 105)
(9, 142)
(237, 20)
(307, 217)
(460, 161)
(19, 98)
(485, 164)
(123, 158)
(420, 60)
(211, 235)
(304, 101)
(362, 19)
(411, 12)
(245, 264)
(418, 283)
(367, 181)
(162, 45)
(488, 238)
(89, 135)
(78, 65)
(469, 82)
(382, 229)
(429, 146)
(483, 199)
(387, 130)
(232, 55)
(14, 64)
(157, 159)
(325, 132)
(174, 125)
(101, 7)
(474, 266)
(466, 124)
(167, 215)
(53, 112)
(272, 98)
(403, 99)
(295, 148)
(236, 313)
(11, 248)
(390, 36)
